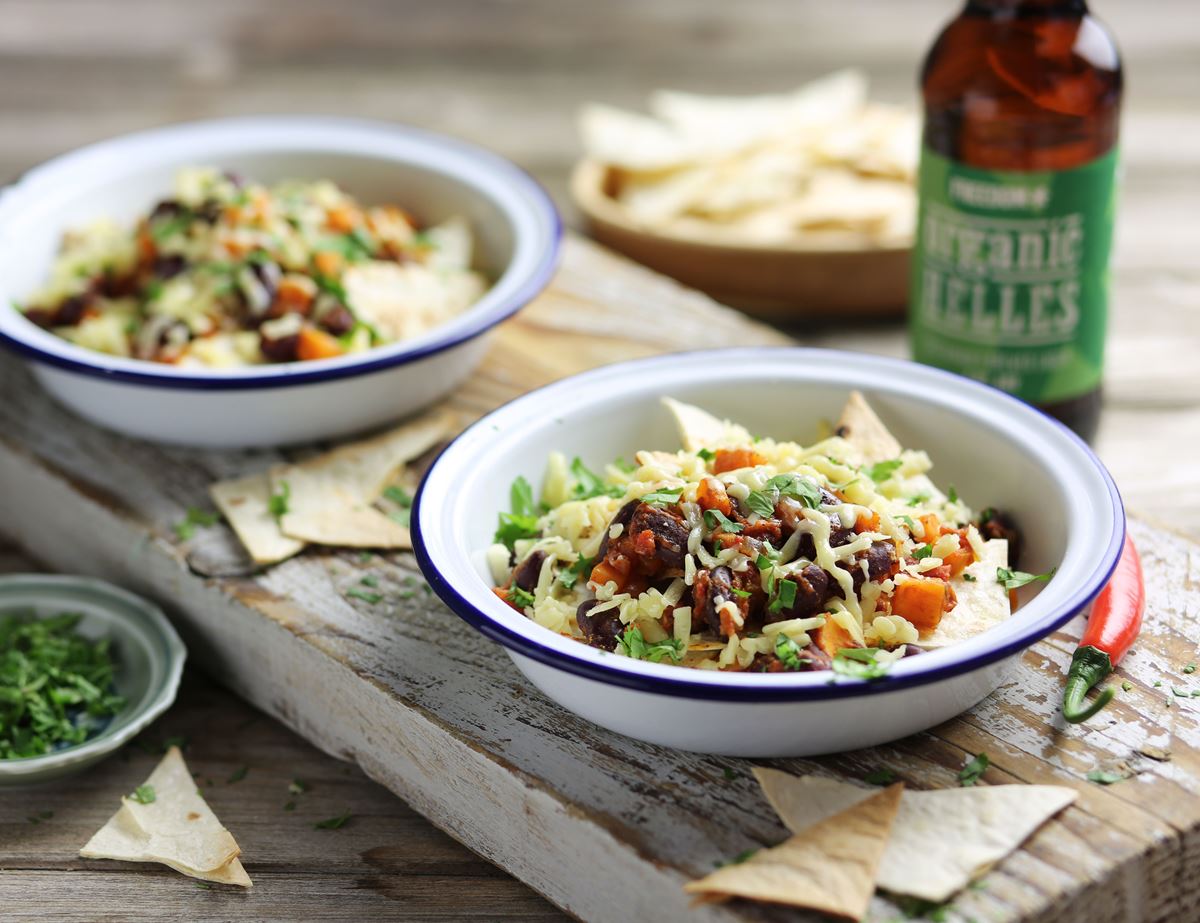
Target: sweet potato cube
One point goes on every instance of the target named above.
(832, 637)
(921, 600)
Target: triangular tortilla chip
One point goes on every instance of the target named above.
(245, 505)
(177, 828)
(860, 427)
(330, 495)
(981, 604)
(831, 867)
(941, 839)
(699, 429)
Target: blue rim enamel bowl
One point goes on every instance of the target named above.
(996, 450)
(517, 236)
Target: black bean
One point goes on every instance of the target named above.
(282, 349)
(669, 530)
(337, 320)
(812, 589)
(71, 311)
(624, 514)
(710, 590)
(527, 572)
(167, 267)
(602, 631)
(41, 317)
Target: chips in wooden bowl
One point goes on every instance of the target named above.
(790, 205)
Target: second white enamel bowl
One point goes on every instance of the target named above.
(996, 450)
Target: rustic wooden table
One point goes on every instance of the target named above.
(510, 76)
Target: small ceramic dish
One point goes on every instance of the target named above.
(835, 280)
(996, 450)
(148, 653)
(515, 225)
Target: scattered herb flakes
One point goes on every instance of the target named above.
(370, 598)
(790, 653)
(1106, 776)
(333, 823)
(923, 552)
(716, 520)
(1013, 579)
(860, 663)
(365, 557)
(519, 597)
(633, 644)
(522, 521)
(1126, 686)
(195, 516)
(403, 499)
(659, 497)
(970, 578)
(783, 595)
(56, 687)
(738, 859)
(974, 770)
(1190, 668)
(621, 464)
(1180, 693)
(1157, 683)
(144, 794)
(203, 886)
(296, 787)
(277, 505)
(588, 484)
(729, 774)
(915, 908)
(880, 776)
(569, 576)
(952, 495)
(707, 454)
(237, 775)
(742, 594)
(370, 580)
(918, 499)
(881, 471)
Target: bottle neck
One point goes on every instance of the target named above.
(1006, 8)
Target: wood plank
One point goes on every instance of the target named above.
(440, 717)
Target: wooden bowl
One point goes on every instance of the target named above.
(782, 283)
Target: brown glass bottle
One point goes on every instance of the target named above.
(1017, 91)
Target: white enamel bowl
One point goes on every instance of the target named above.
(517, 234)
(996, 450)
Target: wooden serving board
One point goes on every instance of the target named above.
(606, 827)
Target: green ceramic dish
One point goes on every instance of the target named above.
(149, 661)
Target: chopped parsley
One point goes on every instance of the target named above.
(633, 644)
(784, 485)
(296, 787)
(56, 686)
(764, 562)
(333, 823)
(970, 578)
(370, 580)
(918, 499)
(707, 454)
(569, 576)
(880, 776)
(881, 471)
(403, 499)
(1190, 668)
(789, 652)
(1106, 777)
(952, 495)
(783, 595)
(974, 770)
(908, 521)
(237, 775)
(169, 227)
(522, 522)
(1127, 686)
(738, 859)
(622, 465)
(1012, 579)
(860, 663)
(144, 794)
(369, 598)
(715, 520)
(588, 484)
(523, 599)
(730, 775)
(923, 552)
(656, 497)
(277, 505)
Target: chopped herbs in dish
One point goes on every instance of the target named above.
(56, 687)
(737, 553)
(229, 272)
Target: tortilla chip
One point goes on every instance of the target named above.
(330, 496)
(830, 867)
(981, 605)
(860, 427)
(699, 429)
(631, 140)
(177, 829)
(941, 839)
(245, 504)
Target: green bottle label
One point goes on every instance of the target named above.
(1010, 275)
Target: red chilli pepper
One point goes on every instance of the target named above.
(1112, 627)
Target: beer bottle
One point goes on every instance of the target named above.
(1010, 274)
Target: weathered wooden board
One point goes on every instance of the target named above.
(606, 827)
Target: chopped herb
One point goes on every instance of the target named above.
(237, 775)
(952, 496)
(522, 521)
(1126, 686)
(764, 562)
(784, 485)
(622, 465)
(918, 499)
(633, 644)
(1190, 668)
(789, 653)
(916, 908)
(570, 576)
(971, 773)
(1106, 777)
(730, 775)
(296, 787)
(153, 290)
(715, 520)
(365, 556)
(203, 885)
(761, 503)
(738, 859)
(403, 499)
(664, 496)
(783, 597)
(523, 599)
(144, 794)
(923, 552)
(169, 227)
(369, 598)
(908, 521)
(369, 580)
(186, 527)
(860, 663)
(969, 578)
(333, 823)
(588, 484)
(1018, 578)
(881, 471)
(881, 776)
(278, 504)
(56, 687)
(707, 454)
(1180, 693)
(1157, 683)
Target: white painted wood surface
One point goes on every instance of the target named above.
(606, 827)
